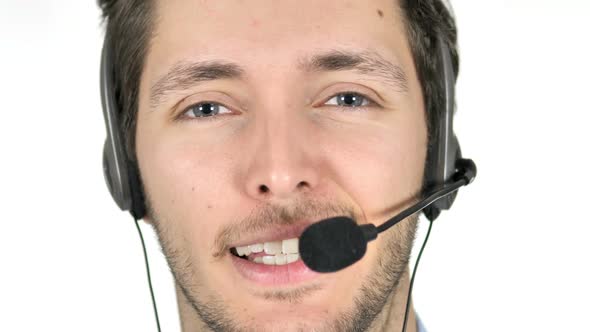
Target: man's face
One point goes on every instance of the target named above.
(257, 118)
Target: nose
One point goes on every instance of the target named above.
(282, 164)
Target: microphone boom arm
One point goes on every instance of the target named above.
(371, 234)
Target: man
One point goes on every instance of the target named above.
(250, 120)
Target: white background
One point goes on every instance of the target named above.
(512, 255)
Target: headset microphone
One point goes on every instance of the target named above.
(335, 243)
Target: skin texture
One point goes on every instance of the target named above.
(281, 152)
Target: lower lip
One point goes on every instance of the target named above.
(273, 275)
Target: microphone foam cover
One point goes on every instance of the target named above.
(332, 244)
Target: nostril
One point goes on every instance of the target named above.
(264, 189)
(302, 184)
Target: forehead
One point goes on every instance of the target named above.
(272, 33)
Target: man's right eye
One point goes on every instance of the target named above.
(203, 110)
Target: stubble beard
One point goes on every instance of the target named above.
(367, 309)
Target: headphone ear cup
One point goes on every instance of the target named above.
(138, 208)
(106, 169)
(437, 175)
(115, 177)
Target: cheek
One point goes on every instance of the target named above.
(382, 167)
(183, 180)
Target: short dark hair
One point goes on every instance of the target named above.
(129, 27)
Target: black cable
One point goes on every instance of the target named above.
(147, 267)
(413, 275)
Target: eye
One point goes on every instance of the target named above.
(350, 99)
(205, 109)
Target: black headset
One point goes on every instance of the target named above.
(444, 160)
(122, 176)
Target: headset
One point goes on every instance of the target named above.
(121, 175)
(444, 160)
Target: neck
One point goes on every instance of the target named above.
(390, 319)
(392, 316)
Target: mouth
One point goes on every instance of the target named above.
(280, 252)
(272, 260)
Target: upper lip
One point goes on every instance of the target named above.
(272, 234)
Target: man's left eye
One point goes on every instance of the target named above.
(350, 99)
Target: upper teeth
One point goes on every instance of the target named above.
(289, 246)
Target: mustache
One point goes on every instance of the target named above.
(267, 216)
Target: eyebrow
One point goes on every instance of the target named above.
(184, 74)
(367, 63)
(370, 64)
